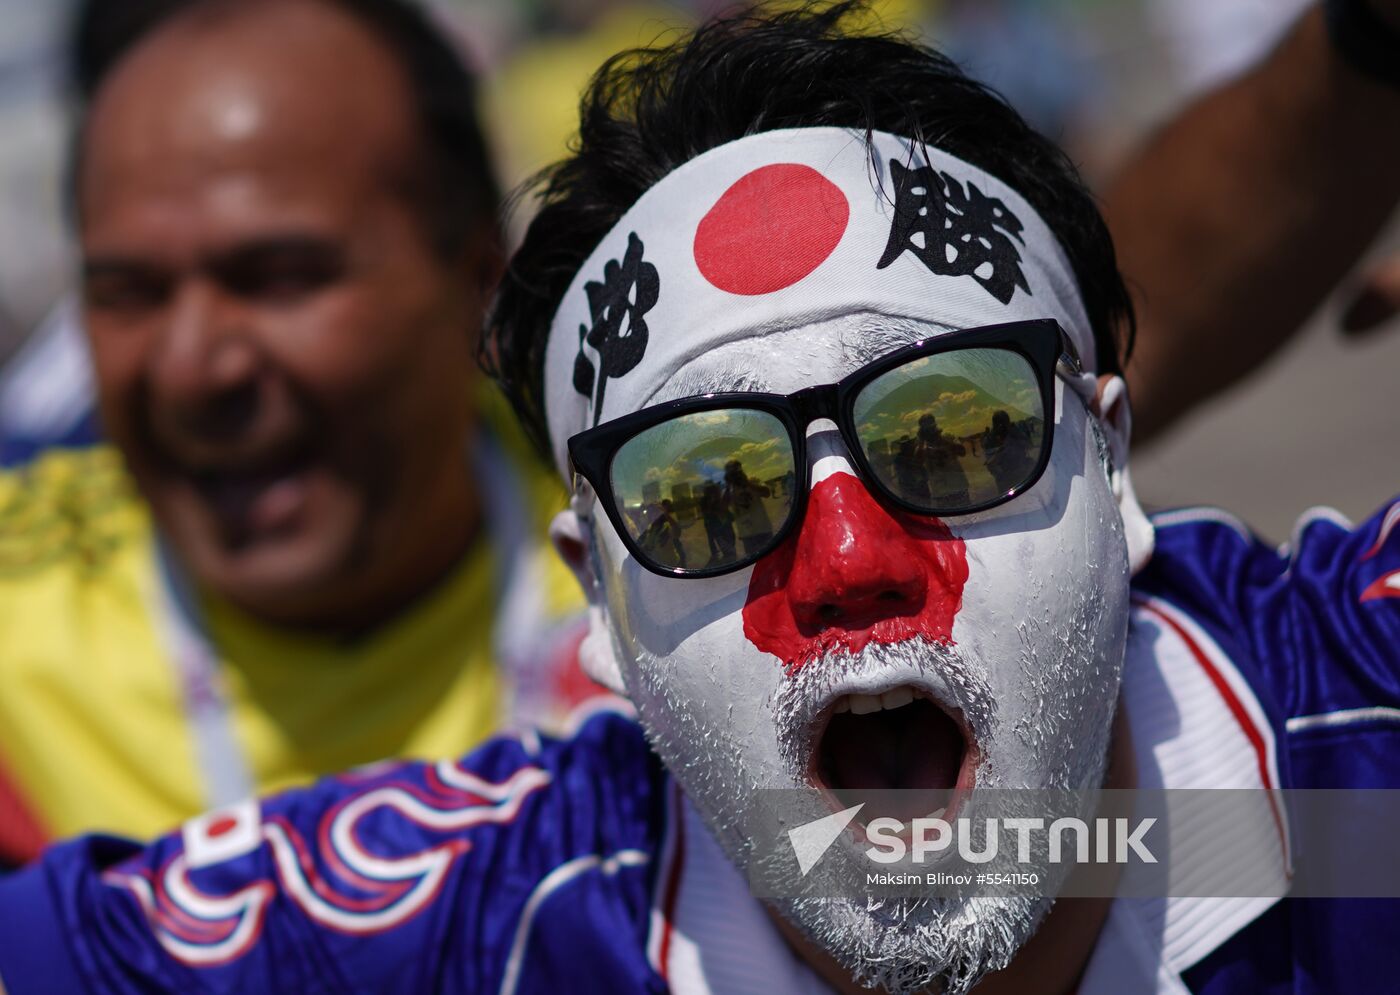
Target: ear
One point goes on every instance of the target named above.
(1115, 417)
(572, 536)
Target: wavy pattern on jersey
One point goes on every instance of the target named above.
(340, 884)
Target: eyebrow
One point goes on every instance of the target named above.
(872, 340)
(275, 243)
(282, 242)
(721, 381)
(881, 338)
(109, 264)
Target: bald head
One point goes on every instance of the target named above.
(284, 87)
(283, 280)
(413, 71)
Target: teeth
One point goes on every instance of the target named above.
(864, 704)
(897, 698)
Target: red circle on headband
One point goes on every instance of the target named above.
(773, 227)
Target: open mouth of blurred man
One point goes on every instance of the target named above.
(243, 471)
(263, 495)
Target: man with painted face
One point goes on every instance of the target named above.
(783, 245)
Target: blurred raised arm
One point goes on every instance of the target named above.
(1236, 218)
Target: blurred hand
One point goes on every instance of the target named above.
(1377, 298)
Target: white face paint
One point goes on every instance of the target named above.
(787, 260)
(1031, 673)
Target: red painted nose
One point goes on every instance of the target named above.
(854, 564)
(854, 574)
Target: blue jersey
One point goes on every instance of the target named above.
(537, 865)
(1313, 630)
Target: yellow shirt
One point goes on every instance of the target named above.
(94, 733)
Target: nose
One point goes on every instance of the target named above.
(854, 564)
(204, 372)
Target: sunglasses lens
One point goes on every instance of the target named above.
(706, 490)
(953, 431)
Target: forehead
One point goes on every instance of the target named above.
(270, 103)
(789, 359)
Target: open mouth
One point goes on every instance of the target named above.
(257, 497)
(902, 741)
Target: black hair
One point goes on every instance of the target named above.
(650, 110)
(459, 192)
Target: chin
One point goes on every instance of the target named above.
(283, 579)
(908, 945)
(280, 576)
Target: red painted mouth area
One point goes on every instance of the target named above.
(855, 573)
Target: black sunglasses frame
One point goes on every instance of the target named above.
(1042, 342)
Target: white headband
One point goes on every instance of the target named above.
(788, 228)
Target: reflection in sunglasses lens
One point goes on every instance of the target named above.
(705, 490)
(955, 430)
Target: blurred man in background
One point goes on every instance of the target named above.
(287, 223)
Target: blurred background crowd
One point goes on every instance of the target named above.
(1312, 427)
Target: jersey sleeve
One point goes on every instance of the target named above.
(1320, 617)
(400, 877)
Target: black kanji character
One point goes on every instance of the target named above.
(629, 290)
(955, 231)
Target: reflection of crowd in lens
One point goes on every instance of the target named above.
(662, 537)
(733, 512)
(927, 468)
(941, 455)
(1008, 451)
(719, 524)
(744, 498)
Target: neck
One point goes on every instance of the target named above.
(1054, 959)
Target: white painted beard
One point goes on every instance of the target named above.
(901, 945)
(907, 944)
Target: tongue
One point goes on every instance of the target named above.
(914, 747)
(256, 503)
